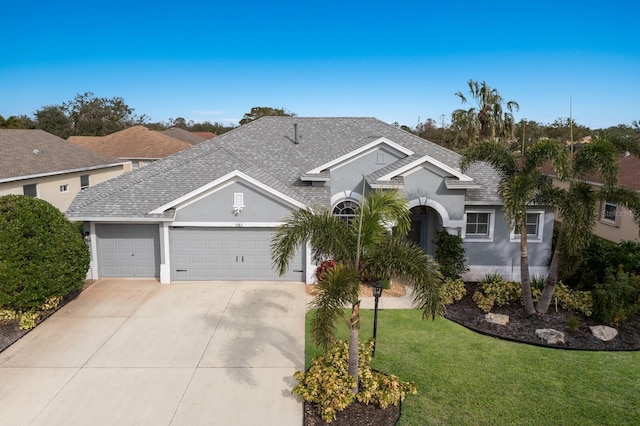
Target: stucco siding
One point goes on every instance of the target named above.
(429, 184)
(49, 187)
(218, 207)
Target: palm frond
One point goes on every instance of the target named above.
(494, 153)
(336, 290)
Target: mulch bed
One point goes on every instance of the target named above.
(356, 414)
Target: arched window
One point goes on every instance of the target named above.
(346, 210)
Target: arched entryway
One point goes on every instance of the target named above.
(425, 222)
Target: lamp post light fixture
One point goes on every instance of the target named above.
(377, 292)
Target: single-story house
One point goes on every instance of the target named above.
(39, 164)
(209, 213)
(137, 144)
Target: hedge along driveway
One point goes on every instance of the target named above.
(137, 352)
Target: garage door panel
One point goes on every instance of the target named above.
(229, 254)
(128, 250)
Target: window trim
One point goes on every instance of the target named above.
(531, 238)
(348, 218)
(30, 185)
(607, 221)
(480, 238)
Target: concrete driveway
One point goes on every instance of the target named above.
(134, 352)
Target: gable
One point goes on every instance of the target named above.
(380, 145)
(215, 202)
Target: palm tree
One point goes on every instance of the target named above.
(578, 204)
(365, 242)
(521, 185)
(487, 121)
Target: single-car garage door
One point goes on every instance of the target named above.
(128, 250)
(227, 254)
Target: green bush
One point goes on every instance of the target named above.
(42, 254)
(496, 291)
(452, 291)
(618, 298)
(328, 384)
(450, 254)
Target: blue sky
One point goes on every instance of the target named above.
(398, 61)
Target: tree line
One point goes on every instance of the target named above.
(488, 115)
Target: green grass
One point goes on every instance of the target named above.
(464, 378)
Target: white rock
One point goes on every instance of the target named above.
(550, 336)
(497, 318)
(603, 332)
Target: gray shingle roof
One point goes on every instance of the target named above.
(263, 149)
(29, 152)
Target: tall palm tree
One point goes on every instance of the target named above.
(488, 120)
(521, 185)
(368, 242)
(578, 204)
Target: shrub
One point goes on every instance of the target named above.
(42, 254)
(327, 382)
(617, 298)
(450, 254)
(452, 291)
(322, 269)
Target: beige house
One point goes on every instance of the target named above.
(39, 164)
(136, 144)
(616, 223)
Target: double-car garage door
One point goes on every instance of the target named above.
(133, 250)
(226, 254)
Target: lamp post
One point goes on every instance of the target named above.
(377, 292)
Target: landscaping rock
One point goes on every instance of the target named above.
(550, 336)
(497, 318)
(603, 332)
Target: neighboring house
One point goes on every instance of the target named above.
(615, 223)
(209, 213)
(39, 164)
(137, 144)
(192, 138)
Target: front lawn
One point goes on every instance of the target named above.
(464, 378)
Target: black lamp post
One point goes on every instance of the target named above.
(377, 292)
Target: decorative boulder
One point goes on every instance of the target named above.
(550, 336)
(497, 318)
(603, 332)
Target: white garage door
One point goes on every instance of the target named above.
(128, 250)
(227, 254)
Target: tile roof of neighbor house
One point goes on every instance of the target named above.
(190, 137)
(265, 150)
(206, 135)
(136, 142)
(31, 152)
(628, 172)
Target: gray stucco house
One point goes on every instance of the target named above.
(209, 212)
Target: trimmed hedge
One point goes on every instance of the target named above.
(42, 254)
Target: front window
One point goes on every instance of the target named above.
(346, 210)
(534, 226)
(609, 212)
(478, 224)
(30, 190)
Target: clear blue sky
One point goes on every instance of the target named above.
(399, 61)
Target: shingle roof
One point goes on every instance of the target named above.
(35, 152)
(136, 142)
(185, 136)
(263, 149)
